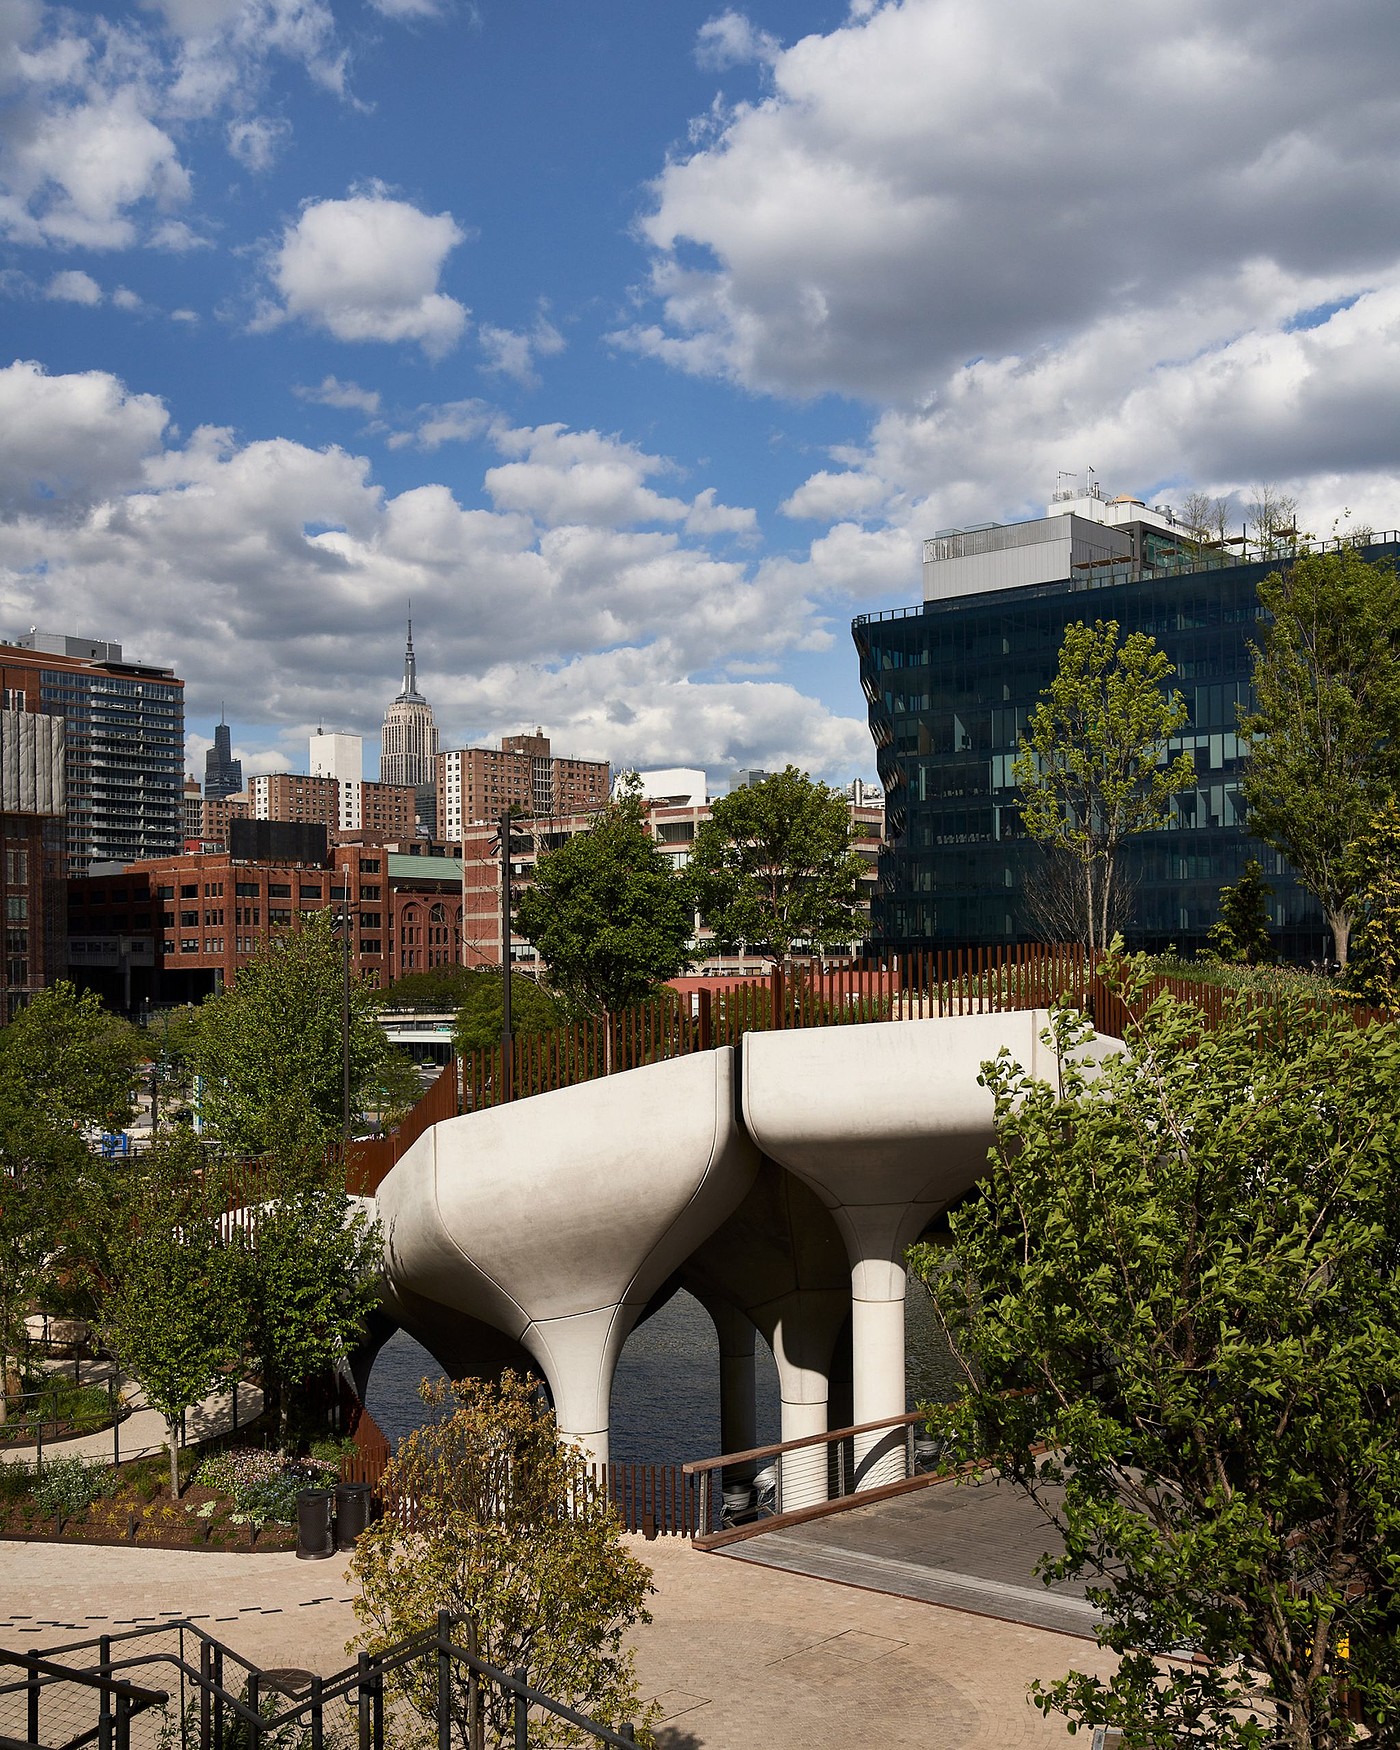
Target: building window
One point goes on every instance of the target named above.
(369, 865)
(246, 889)
(214, 915)
(165, 893)
(189, 946)
(368, 890)
(191, 891)
(167, 947)
(310, 892)
(192, 917)
(369, 946)
(17, 908)
(340, 892)
(279, 890)
(277, 914)
(369, 920)
(213, 890)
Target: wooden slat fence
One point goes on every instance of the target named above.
(658, 1500)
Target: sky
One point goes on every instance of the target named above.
(637, 346)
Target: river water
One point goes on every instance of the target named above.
(665, 1400)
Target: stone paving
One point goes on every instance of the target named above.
(741, 1656)
(971, 1544)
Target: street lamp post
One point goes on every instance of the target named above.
(345, 926)
(507, 1042)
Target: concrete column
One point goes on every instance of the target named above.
(738, 1409)
(877, 1360)
(802, 1340)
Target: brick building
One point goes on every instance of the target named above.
(32, 853)
(673, 827)
(480, 783)
(177, 929)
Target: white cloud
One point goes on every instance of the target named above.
(706, 517)
(184, 316)
(578, 477)
(825, 497)
(72, 173)
(125, 299)
(914, 192)
(176, 237)
(513, 352)
(409, 9)
(72, 286)
(290, 567)
(71, 440)
(730, 40)
(367, 268)
(450, 422)
(331, 392)
(256, 141)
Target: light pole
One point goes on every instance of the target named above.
(345, 925)
(507, 1043)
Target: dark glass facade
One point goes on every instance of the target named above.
(951, 686)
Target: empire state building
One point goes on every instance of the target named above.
(408, 751)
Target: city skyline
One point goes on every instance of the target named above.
(642, 387)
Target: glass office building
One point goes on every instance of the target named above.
(951, 686)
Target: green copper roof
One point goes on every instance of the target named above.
(404, 868)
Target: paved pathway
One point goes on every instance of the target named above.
(143, 1432)
(971, 1545)
(741, 1656)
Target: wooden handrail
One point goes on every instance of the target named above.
(697, 1465)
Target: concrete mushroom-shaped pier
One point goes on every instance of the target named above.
(888, 1125)
(556, 1219)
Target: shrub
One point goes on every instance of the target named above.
(68, 1485)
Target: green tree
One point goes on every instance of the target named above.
(1241, 933)
(1374, 972)
(607, 913)
(306, 1278)
(269, 1048)
(509, 1531)
(66, 1066)
(1093, 767)
(773, 867)
(1177, 1298)
(171, 1311)
(478, 1025)
(437, 989)
(1324, 739)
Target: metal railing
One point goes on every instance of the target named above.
(224, 1700)
(813, 1476)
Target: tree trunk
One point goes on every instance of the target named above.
(1339, 922)
(1090, 920)
(172, 1435)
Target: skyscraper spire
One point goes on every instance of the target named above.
(410, 668)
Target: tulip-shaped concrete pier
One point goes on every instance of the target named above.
(887, 1123)
(555, 1219)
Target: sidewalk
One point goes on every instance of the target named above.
(142, 1433)
(741, 1657)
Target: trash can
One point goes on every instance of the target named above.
(352, 1513)
(928, 1455)
(314, 1539)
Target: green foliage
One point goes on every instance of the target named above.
(269, 1048)
(1177, 1296)
(305, 1279)
(171, 1311)
(65, 1065)
(510, 1532)
(1374, 972)
(478, 1025)
(1093, 768)
(1324, 741)
(68, 1485)
(773, 867)
(437, 990)
(1241, 932)
(607, 914)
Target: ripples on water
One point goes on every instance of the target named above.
(665, 1399)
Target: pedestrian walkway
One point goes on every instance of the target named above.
(972, 1545)
(143, 1433)
(740, 1656)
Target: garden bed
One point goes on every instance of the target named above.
(241, 1499)
(63, 1411)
